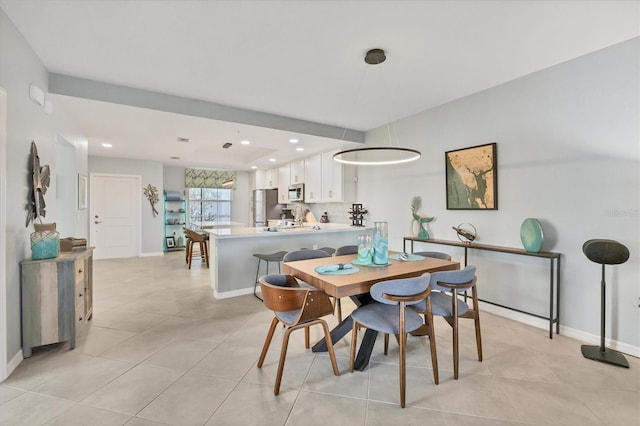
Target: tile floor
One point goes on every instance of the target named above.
(161, 350)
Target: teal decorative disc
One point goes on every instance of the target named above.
(531, 235)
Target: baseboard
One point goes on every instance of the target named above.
(234, 293)
(13, 364)
(151, 254)
(583, 336)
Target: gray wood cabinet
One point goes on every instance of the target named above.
(57, 298)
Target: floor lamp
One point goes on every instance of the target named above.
(604, 252)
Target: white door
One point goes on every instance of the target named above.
(114, 215)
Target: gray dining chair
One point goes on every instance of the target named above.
(389, 314)
(294, 307)
(435, 254)
(347, 250)
(446, 286)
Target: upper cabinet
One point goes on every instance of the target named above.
(271, 178)
(297, 172)
(338, 180)
(313, 179)
(283, 184)
(265, 179)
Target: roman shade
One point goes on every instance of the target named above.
(202, 178)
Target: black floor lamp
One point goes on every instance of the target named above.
(605, 252)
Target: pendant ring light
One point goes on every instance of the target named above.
(376, 156)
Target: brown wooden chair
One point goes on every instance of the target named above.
(202, 240)
(294, 307)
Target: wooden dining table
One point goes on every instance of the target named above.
(356, 286)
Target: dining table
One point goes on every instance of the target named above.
(354, 282)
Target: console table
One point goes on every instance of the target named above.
(554, 273)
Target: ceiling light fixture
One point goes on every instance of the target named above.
(376, 156)
(228, 182)
(175, 158)
(181, 139)
(272, 160)
(300, 149)
(254, 167)
(245, 142)
(107, 145)
(293, 140)
(227, 145)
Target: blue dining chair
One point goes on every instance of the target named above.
(389, 314)
(446, 286)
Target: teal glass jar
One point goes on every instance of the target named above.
(45, 241)
(380, 243)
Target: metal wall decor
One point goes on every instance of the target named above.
(471, 176)
(151, 192)
(40, 180)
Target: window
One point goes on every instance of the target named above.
(210, 205)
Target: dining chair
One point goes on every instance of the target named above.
(305, 254)
(294, 307)
(389, 314)
(329, 250)
(446, 286)
(436, 254)
(347, 250)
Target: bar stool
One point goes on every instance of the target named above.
(272, 257)
(202, 241)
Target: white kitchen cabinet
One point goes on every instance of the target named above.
(271, 178)
(313, 179)
(283, 184)
(338, 180)
(296, 172)
(259, 179)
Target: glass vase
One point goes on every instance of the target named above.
(364, 249)
(380, 243)
(45, 241)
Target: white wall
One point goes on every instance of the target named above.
(26, 121)
(568, 154)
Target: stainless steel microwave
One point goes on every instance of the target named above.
(296, 192)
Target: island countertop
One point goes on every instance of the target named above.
(262, 231)
(233, 266)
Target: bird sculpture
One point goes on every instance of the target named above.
(419, 218)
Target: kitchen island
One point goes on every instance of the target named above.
(233, 266)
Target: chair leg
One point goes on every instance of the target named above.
(337, 307)
(283, 356)
(306, 337)
(432, 341)
(454, 309)
(190, 253)
(354, 340)
(402, 337)
(477, 323)
(267, 341)
(255, 285)
(332, 355)
(386, 344)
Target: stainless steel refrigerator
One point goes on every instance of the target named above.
(264, 206)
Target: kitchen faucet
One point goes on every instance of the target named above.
(297, 214)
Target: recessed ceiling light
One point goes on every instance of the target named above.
(181, 139)
(107, 145)
(254, 167)
(175, 158)
(293, 140)
(245, 142)
(272, 159)
(300, 149)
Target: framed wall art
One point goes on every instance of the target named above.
(472, 178)
(170, 241)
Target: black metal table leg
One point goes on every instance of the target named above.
(336, 334)
(366, 347)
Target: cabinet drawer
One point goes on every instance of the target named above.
(80, 272)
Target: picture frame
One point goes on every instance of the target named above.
(170, 242)
(472, 178)
(82, 192)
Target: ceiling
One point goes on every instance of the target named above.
(297, 59)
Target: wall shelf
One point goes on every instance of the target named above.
(175, 219)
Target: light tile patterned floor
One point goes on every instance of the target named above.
(161, 350)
